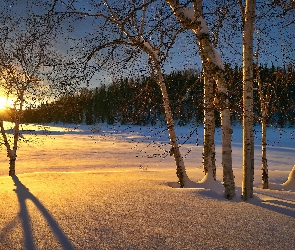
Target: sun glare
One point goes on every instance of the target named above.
(3, 103)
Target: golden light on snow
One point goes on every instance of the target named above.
(102, 190)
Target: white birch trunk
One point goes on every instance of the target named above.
(264, 166)
(213, 71)
(11, 153)
(186, 19)
(209, 129)
(213, 67)
(264, 115)
(248, 137)
(183, 179)
(12, 158)
(228, 175)
(153, 53)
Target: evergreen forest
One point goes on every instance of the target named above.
(138, 101)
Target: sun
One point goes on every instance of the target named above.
(3, 103)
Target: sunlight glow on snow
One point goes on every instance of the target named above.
(117, 177)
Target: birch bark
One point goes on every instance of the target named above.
(11, 153)
(264, 115)
(209, 128)
(248, 137)
(213, 74)
(175, 151)
(264, 166)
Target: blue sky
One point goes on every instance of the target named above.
(277, 37)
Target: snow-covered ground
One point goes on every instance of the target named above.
(108, 187)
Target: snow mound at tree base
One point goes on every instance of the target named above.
(290, 183)
(207, 182)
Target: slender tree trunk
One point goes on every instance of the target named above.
(11, 154)
(222, 106)
(3, 133)
(228, 175)
(206, 52)
(183, 179)
(209, 129)
(175, 151)
(248, 137)
(12, 159)
(213, 71)
(264, 101)
(264, 166)
(213, 68)
(264, 114)
(209, 119)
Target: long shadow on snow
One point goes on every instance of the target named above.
(23, 194)
(4, 241)
(275, 204)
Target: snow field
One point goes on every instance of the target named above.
(136, 210)
(96, 196)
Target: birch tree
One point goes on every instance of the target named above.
(248, 17)
(25, 49)
(132, 29)
(273, 37)
(15, 84)
(274, 26)
(264, 101)
(193, 19)
(265, 94)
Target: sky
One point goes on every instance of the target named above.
(183, 55)
(275, 30)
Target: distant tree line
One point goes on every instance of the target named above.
(138, 100)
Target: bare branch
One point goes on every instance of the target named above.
(242, 8)
(142, 19)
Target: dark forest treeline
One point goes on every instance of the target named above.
(138, 101)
